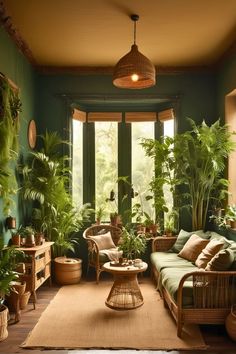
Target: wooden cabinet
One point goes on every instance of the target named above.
(37, 267)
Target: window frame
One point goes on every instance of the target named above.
(124, 149)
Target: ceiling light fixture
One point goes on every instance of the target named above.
(134, 70)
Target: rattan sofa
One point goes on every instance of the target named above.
(194, 295)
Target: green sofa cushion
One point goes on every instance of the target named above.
(228, 244)
(169, 260)
(184, 236)
(170, 281)
(223, 260)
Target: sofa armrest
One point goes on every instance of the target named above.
(211, 289)
(163, 243)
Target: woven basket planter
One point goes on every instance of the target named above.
(67, 270)
(3, 322)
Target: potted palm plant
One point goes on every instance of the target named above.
(46, 181)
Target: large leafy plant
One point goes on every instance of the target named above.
(200, 161)
(46, 181)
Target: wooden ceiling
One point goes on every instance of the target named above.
(96, 33)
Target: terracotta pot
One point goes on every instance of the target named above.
(230, 323)
(16, 240)
(24, 299)
(4, 315)
(10, 222)
(233, 224)
(168, 233)
(39, 239)
(30, 241)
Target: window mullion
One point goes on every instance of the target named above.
(124, 167)
(89, 163)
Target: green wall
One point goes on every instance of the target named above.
(197, 94)
(14, 65)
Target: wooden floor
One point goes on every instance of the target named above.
(214, 336)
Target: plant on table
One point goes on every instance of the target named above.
(132, 244)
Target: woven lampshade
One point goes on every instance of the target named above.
(134, 63)
(134, 70)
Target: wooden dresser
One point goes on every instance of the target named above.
(37, 267)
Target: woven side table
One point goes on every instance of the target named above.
(125, 293)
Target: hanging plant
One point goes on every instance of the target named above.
(10, 106)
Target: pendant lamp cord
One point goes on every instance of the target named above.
(134, 32)
(134, 18)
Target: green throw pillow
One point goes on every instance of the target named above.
(216, 236)
(223, 260)
(183, 237)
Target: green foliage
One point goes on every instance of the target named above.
(46, 181)
(132, 244)
(9, 259)
(10, 107)
(161, 152)
(230, 213)
(194, 160)
(171, 221)
(200, 157)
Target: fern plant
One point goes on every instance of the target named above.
(46, 181)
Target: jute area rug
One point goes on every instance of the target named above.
(78, 318)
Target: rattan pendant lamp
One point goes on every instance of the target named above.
(134, 70)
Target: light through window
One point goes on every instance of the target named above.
(142, 167)
(77, 162)
(106, 166)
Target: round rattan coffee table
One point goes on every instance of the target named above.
(125, 293)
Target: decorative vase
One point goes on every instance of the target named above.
(4, 315)
(230, 323)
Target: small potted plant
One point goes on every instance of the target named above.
(132, 245)
(100, 212)
(230, 215)
(170, 223)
